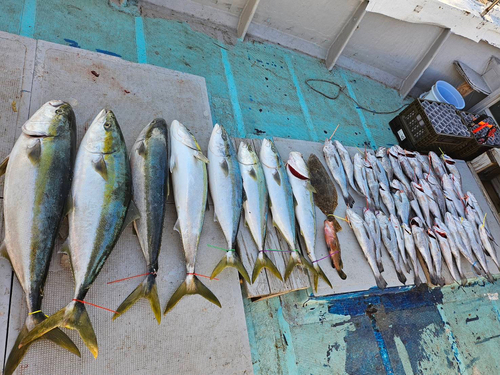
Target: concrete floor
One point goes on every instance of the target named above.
(259, 89)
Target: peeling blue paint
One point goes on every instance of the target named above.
(72, 43)
(384, 354)
(28, 18)
(453, 342)
(140, 40)
(108, 52)
(233, 93)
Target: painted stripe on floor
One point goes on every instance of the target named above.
(28, 19)
(290, 359)
(140, 41)
(451, 339)
(233, 94)
(382, 348)
(302, 100)
(361, 115)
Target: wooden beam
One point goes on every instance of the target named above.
(486, 102)
(246, 17)
(424, 63)
(342, 39)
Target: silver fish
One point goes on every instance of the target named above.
(387, 199)
(471, 201)
(391, 243)
(38, 175)
(97, 213)
(381, 155)
(397, 185)
(400, 239)
(149, 166)
(450, 194)
(456, 244)
(423, 202)
(407, 168)
(347, 163)
(437, 190)
(374, 227)
(336, 167)
(433, 205)
(450, 237)
(398, 172)
(186, 161)
(305, 211)
(360, 178)
(450, 205)
(451, 166)
(476, 246)
(416, 209)
(378, 168)
(488, 247)
(362, 233)
(402, 206)
(458, 187)
(436, 256)
(226, 190)
(281, 203)
(443, 239)
(415, 164)
(424, 162)
(422, 244)
(410, 249)
(255, 205)
(372, 181)
(437, 164)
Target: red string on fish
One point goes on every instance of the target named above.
(132, 277)
(197, 274)
(91, 304)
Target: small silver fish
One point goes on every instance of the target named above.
(372, 181)
(416, 209)
(450, 194)
(347, 163)
(374, 226)
(378, 168)
(433, 205)
(443, 239)
(381, 155)
(407, 168)
(458, 187)
(437, 190)
(401, 242)
(488, 247)
(437, 164)
(391, 243)
(423, 201)
(410, 249)
(436, 256)
(451, 166)
(422, 243)
(424, 162)
(362, 233)
(336, 167)
(397, 185)
(476, 246)
(387, 198)
(360, 178)
(398, 172)
(415, 164)
(402, 206)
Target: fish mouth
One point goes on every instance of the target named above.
(35, 134)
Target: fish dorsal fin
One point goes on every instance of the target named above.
(3, 166)
(141, 150)
(252, 173)
(3, 251)
(35, 151)
(177, 227)
(225, 167)
(310, 187)
(101, 168)
(277, 178)
(132, 214)
(199, 155)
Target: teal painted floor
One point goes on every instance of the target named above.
(258, 90)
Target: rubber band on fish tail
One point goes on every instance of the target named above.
(337, 217)
(132, 277)
(91, 304)
(220, 248)
(36, 312)
(334, 132)
(197, 274)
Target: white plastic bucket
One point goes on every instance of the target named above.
(445, 93)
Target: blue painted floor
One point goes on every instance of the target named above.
(257, 90)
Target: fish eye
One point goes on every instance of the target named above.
(107, 125)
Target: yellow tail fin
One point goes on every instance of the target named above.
(231, 259)
(261, 262)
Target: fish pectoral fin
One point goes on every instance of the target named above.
(132, 214)
(310, 188)
(35, 151)
(225, 167)
(172, 164)
(3, 251)
(199, 155)
(252, 173)
(277, 178)
(101, 168)
(141, 150)
(3, 166)
(177, 227)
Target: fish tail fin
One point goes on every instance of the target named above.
(380, 265)
(73, 316)
(489, 277)
(407, 265)
(401, 276)
(319, 273)
(231, 259)
(294, 260)
(263, 261)
(56, 336)
(147, 289)
(417, 280)
(192, 285)
(463, 280)
(381, 283)
(349, 200)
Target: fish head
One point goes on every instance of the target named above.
(219, 143)
(416, 222)
(269, 155)
(448, 160)
(396, 184)
(155, 129)
(52, 119)
(246, 154)
(104, 135)
(328, 146)
(431, 234)
(297, 166)
(440, 232)
(381, 152)
(183, 135)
